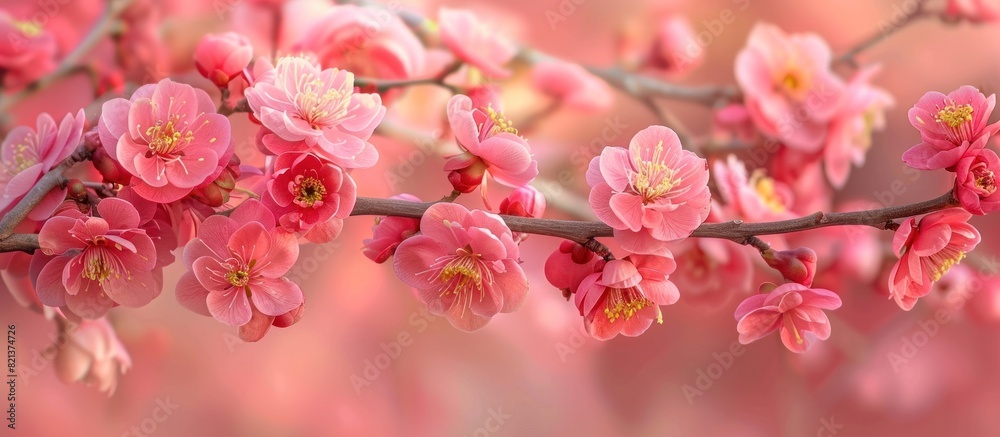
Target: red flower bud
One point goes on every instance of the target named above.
(797, 265)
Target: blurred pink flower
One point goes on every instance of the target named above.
(793, 308)
(365, 41)
(308, 109)
(733, 123)
(788, 86)
(489, 144)
(711, 271)
(90, 352)
(236, 261)
(309, 196)
(626, 295)
(168, 137)
(976, 182)
(101, 261)
(950, 127)
(27, 51)
(927, 248)
(675, 49)
(976, 11)
(571, 85)
(569, 264)
(27, 154)
(754, 197)
(651, 193)
(797, 265)
(221, 58)
(983, 305)
(474, 42)
(850, 134)
(389, 232)
(464, 265)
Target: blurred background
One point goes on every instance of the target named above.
(368, 360)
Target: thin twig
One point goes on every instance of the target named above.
(883, 33)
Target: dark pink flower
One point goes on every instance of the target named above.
(90, 352)
(976, 182)
(572, 85)
(626, 295)
(793, 308)
(310, 196)
(788, 86)
(475, 43)
(237, 261)
(568, 265)
(464, 265)
(951, 126)
(389, 232)
(489, 144)
(100, 262)
(927, 248)
(305, 108)
(651, 193)
(27, 51)
(27, 154)
(168, 136)
(221, 58)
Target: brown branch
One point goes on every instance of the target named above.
(849, 56)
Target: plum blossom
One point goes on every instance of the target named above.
(571, 85)
(569, 264)
(27, 51)
(475, 43)
(850, 134)
(489, 144)
(927, 248)
(951, 127)
(27, 154)
(675, 50)
(221, 58)
(309, 196)
(236, 267)
(168, 137)
(754, 196)
(792, 308)
(389, 232)
(90, 352)
(976, 182)
(625, 296)
(651, 193)
(464, 265)
(305, 108)
(99, 262)
(788, 86)
(524, 201)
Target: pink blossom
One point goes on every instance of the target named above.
(221, 58)
(850, 134)
(569, 264)
(27, 154)
(464, 265)
(27, 51)
(733, 123)
(788, 86)
(389, 232)
(489, 144)
(310, 196)
(260, 323)
(308, 109)
(976, 11)
(976, 182)
(675, 49)
(571, 85)
(927, 248)
(100, 262)
(651, 193)
(754, 196)
(168, 137)
(950, 127)
(524, 201)
(237, 264)
(711, 271)
(475, 43)
(792, 308)
(90, 352)
(626, 295)
(365, 41)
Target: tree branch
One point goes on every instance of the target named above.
(849, 56)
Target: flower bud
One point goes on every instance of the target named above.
(109, 168)
(221, 58)
(797, 265)
(467, 179)
(525, 201)
(216, 193)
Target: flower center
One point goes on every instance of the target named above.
(794, 83)
(308, 191)
(764, 186)
(164, 138)
(29, 29)
(954, 115)
(321, 107)
(23, 155)
(238, 278)
(985, 179)
(498, 123)
(943, 261)
(100, 264)
(653, 177)
(459, 274)
(623, 303)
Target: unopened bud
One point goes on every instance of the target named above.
(797, 265)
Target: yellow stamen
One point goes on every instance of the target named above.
(954, 115)
(653, 178)
(308, 191)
